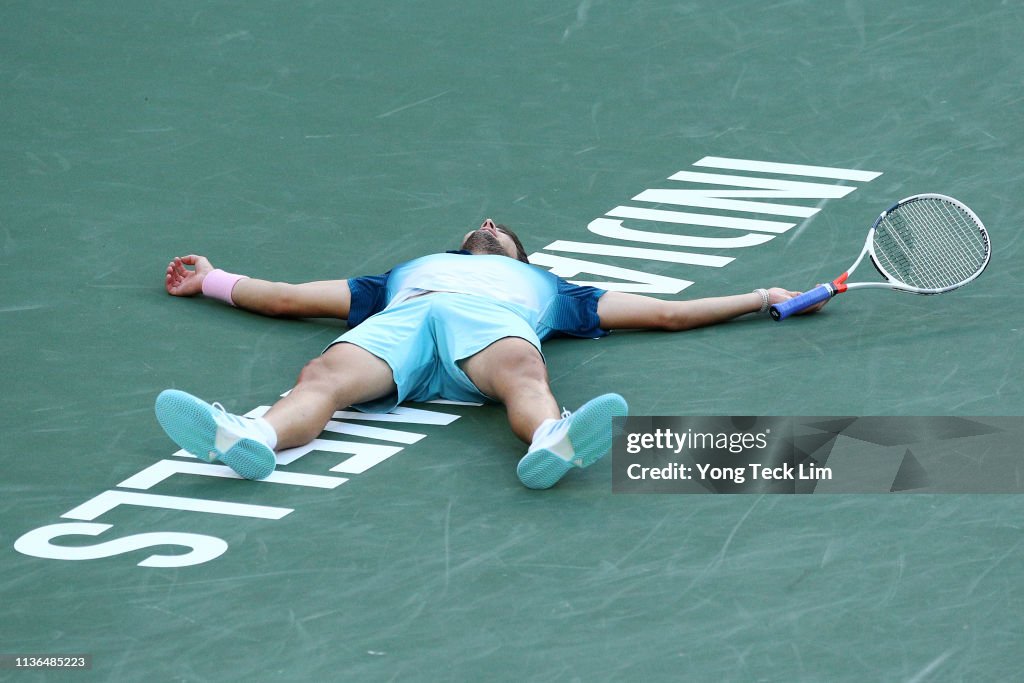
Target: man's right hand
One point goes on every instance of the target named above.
(181, 281)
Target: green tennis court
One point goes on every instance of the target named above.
(319, 140)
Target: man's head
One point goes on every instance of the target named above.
(491, 238)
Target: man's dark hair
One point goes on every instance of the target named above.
(520, 251)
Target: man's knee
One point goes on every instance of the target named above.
(318, 370)
(349, 372)
(528, 364)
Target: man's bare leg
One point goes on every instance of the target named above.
(344, 375)
(512, 371)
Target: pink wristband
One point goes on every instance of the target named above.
(218, 285)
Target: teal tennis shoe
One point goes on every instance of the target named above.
(211, 433)
(577, 440)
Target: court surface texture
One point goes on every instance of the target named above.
(309, 140)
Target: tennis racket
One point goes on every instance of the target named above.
(925, 244)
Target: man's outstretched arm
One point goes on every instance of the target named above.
(622, 311)
(326, 299)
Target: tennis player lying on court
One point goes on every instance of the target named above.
(464, 326)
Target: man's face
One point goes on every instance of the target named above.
(489, 239)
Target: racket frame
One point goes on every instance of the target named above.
(840, 284)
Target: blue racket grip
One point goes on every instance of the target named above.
(801, 302)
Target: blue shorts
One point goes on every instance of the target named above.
(424, 338)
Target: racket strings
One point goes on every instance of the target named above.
(930, 244)
(937, 262)
(928, 266)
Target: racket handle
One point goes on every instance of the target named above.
(802, 302)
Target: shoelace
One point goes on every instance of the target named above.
(566, 413)
(225, 414)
